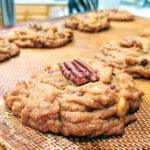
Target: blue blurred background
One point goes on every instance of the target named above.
(14, 11)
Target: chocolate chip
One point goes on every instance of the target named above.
(90, 110)
(112, 86)
(144, 62)
(113, 74)
(50, 71)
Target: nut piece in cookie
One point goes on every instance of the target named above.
(88, 22)
(7, 49)
(50, 102)
(41, 35)
(129, 54)
(78, 72)
(130, 42)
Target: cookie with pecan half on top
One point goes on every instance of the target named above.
(130, 54)
(78, 97)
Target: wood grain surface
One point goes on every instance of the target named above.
(83, 45)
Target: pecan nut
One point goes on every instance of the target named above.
(36, 27)
(78, 72)
(130, 42)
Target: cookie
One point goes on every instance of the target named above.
(88, 22)
(129, 54)
(145, 33)
(119, 15)
(41, 35)
(7, 49)
(79, 97)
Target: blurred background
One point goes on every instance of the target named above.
(15, 11)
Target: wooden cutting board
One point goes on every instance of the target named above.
(32, 61)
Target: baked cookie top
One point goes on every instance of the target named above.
(7, 49)
(88, 22)
(41, 35)
(145, 33)
(58, 100)
(119, 14)
(129, 54)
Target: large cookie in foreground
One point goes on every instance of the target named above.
(119, 14)
(41, 35)
(130, 54)
(76, 98)
(88, 22)
(7, 49)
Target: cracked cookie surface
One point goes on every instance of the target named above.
(7, 49)
(145, 33)
(41, 35)
(53, 102)
(88, 22)
(130, 54)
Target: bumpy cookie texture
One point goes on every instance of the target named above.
(88, 22)
(41, 35)
(7, 49)
(129, 54)
(52, 102)
(145, 33)
(119, 14)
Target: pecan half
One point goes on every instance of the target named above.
(130, 42)
(78, 72)
(36, 27)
